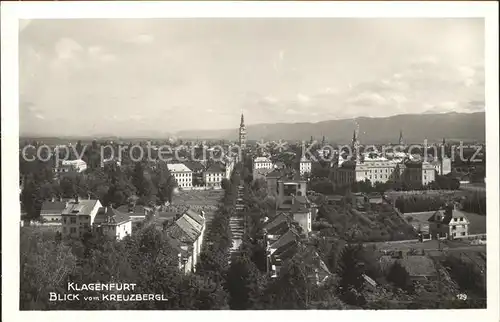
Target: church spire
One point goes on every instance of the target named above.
(401, 142)
(242, 123)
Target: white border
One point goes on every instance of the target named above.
(13, 11)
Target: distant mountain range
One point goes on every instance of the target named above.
(416, 128)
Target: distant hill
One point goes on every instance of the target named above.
(415, 127)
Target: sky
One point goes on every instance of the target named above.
(135, 76)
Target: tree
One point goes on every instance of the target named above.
(400, 277)
(242, 284)
(291, 290)
(45, 267)
(350, 271)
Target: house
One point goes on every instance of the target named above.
(78, 217)
(212, 177)
(51, 212)
(137, 212)
(281, 250)
(113, 223)
(188, 230)
(300, 209)
(449, 223)
(182, 174)
(276, 227)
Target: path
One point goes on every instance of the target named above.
(237, 225)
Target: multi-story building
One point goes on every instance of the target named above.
(78, 217)
(187, 232)
(182, 174)
(449, 223)
(262, 163)
(300, 209)
(382, 170)
(213, 176)
(291, 185)
(113, 223)
(229, 163)
(305, 166)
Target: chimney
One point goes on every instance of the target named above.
(60, 198)
(53, 199)
(76, 199)
(130, 207)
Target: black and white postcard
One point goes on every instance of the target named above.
(335, 159)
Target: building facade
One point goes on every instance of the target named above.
(78, 217)
(113, 223)
(305, 166)
(450, 223)
(212, 177)
(182, 174)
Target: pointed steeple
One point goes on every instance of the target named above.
(242, 123)
(401, 142)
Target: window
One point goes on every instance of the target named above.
(461, 218)
(463, 234)
(73, 220)
(455, 219)
(454, 227)
(72, 230)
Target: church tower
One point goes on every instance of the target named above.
(354, 146)
(401, 141)
(242, 133)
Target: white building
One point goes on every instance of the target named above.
(229, 163)
(78, 217)
(182, 174)
(262, 163)
(113, 223)
(382, 170)
(213, 176)
(305, 166)
(188, 232)
(70, 166)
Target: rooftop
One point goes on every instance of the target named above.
(108, 215)
(178, 167)
(216, 168)
(50, 207)
(80, 208)
(261, 159)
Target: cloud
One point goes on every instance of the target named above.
(291, 111)
(367, 99)
(67, 48)
(268, 101)
(141, 39)
(98, 53)
(304, 99)
(40, 116)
